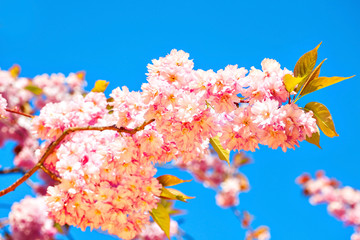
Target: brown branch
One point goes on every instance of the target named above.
(241, 101)
(11, 170)
(3, 224)
(55, 143)
(20, 113)
(51, 174)
(236, 213)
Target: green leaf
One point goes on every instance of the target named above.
(169, 206)
(222, 153)
(314, 139)
(291, 82)
(173, 212)
(15, 70)
(161, 216)
(314, 74)
(100, 86)
(59, 228)
(166, 194)
(306, 63)
(179, 195)
(323, 118)
(81, 75)
(173, 194)
(34, 89)
(308, 78)
(170, 180)
(322, 82)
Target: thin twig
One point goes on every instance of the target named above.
(51, 174)
(241, 101)
(236, 212)
(3, 224)
(240, 215)
(185, 235)
(69, 236)
(55, 143)
(11, 170)
(19, 113)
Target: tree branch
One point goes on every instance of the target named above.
(19, 113)
(3, 223)
(236, 213)
(51, 174)
(55, 143)
(11, 170)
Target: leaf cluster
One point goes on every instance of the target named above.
(306, 80)
(161, 214)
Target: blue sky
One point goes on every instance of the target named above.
(115, 40)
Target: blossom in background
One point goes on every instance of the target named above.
(3, 105)
(154, 232)
(342, 202)
(29, 219)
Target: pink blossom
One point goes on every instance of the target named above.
(343, 202)
(107, 178)
(26, 158)
(355, 236)
(3, 105)
(227, 199)
(103, 184)
(55, 118)
(76, 81)
(29, 220)
(154, 232)
(268, 83)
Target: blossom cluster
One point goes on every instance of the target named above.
(29, 96)
(189, 107)
(104, 181)
(101, 186)
(229, 182)
(3, 104)
(29, 220)
(226, 179)
(13, 96)
(154, 232)
(57, 87)
(342, 202)
(261, 233)
(13, 87)
(107, 176)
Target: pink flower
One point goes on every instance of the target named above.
(104, 184)
(227, 199)
(55, 118)
(154, 232)
(3, 105)
(26, 158)
(343, 203)
(268, 83)
(355, 236)
(29, 220)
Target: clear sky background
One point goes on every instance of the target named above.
(115, 40)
